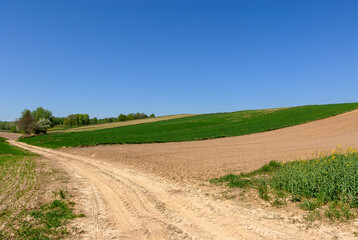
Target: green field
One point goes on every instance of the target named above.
(200, 127)
(6, 148)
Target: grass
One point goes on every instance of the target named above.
(328, 183)
(47, 221)
(19, 182)
(7, 149)
(200, 127)
(92, 127)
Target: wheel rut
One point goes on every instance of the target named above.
(137, 205)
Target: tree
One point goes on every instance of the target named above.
(26, 123)
(130, 116)
(86, 119)
(137, 115)
(76, 119)
(94, 120)
(143, 115)
(41, 113)
(81, 119)
(69, 121)
(152, 115)
(122, 117)
(42, 126)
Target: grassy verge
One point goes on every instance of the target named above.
(200, 127)
(21, 216)
(327, 186)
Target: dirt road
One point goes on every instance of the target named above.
(212, 158)
(131, 204)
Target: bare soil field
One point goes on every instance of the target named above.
(123, 203)
(201, 160)
(128, 191)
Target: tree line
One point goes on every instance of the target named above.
(8, 126)
(40, 120)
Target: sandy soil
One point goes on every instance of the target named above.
(130, 204)
(211, 158)
(9, 135)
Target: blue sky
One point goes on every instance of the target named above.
(109, 57)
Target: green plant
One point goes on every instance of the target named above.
(199, 127)
(263, 190)
(326, 180)
(309, 205)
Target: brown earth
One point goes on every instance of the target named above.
(122, 203)
(10, 136)
(201, 160)
(123, 199)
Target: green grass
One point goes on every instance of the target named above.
(329, 183)
(6, 148)
(18, 183)
(200, 127)
(47, 221)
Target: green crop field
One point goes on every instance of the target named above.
(199, 127)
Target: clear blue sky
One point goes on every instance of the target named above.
(109, 57)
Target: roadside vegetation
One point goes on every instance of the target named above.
(326, 186)
(21, 217)
(199, 127)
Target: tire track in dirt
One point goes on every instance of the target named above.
(144, 206)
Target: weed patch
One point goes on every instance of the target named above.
(326, 185)
(46, 222)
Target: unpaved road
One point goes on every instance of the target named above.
(201, 160)
(131, 204)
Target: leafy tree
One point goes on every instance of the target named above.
(130, 116)
(86, 119)
(42, 126)
(77, 120)
(57, 121)
(152, 115)
(137, 115)
(41, 113)
(143, 115)
(69, 121)
(13, 128)
(122, 117)
(94, 120)
(26, 123)
(81, 119)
